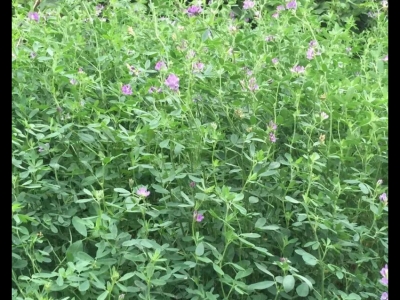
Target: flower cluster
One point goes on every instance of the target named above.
(143, 192)
(34, 16)
(194, 10)
(198, 67)
(385, 281)
(198, 216)
(272, 127)
(160, 65)
(126, 89)
(298, 69)
(172, 82)
(247, 4)
(383, 198)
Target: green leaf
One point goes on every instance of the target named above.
(264, 269)
(302, 290)
(200, 249)
(260, 222)
(253, 199)
(290, 199)
(353, 296)
(164, 144)
(127, 276)
(274, 165)
(242, 274)
(103, 296)
(374, 208)
(159, 189)
(45, 275)
(288, 283)
(73, 249)
(218, 269)
(308, 258)
(308, 282)
(268, 173)
(206, 34)
(240, 208)
(122, 191)
(251, 235)
(60, 281)
(339, 274)
(84, 286)
(261, 285)
(79, 225)
(363, 188)
(86, 138)
(270, 227)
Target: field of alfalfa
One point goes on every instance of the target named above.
(211, 150)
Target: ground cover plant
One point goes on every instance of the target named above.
(203, 150)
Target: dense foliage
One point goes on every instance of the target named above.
(162, 150)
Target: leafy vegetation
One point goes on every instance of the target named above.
(164, 150)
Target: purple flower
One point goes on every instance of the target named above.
(34, 16)
(275, 60)
(291, 5)
(272, 125)
(247, 20)
(152, 89)
(232, 15)
(280, 7)
(298, 69)
(73, 81)
(283, 259)
(143, 192)
(198, 217)
(386, 58)
(253, 84)
(247, 4)
(310, 53)
(44, 147)
(160, 65)
(173, 82)
(385, 275)
(272, 137)
(192, 184)
(126, 89)
(198, 67)
(33, 55)
(275, 15)
(99, 8)
(385, 296)
(312, 43)
(383, 198)
(80, 71)
(324, 116)
(193, 10)
(248, 71)
(269, 38)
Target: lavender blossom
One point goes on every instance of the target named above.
(172, 82)
(143, 192)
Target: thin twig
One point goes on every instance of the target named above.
(36, 4)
